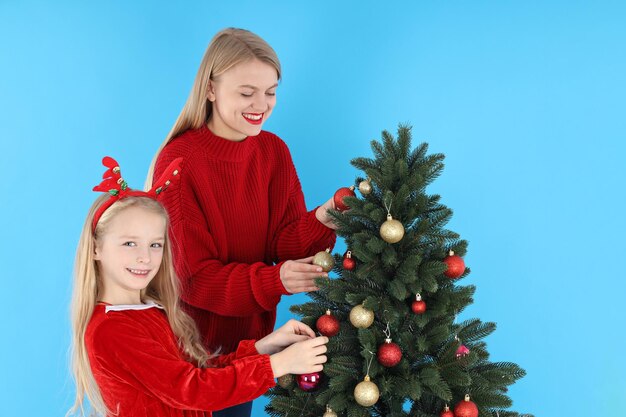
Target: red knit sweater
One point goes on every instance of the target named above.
(237, 214)
(141, 371)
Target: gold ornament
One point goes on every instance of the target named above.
(329, 412)
(365, 187)
(286, 380)
(324, 259)
(361, 317)
(392, 230)
(366, 392)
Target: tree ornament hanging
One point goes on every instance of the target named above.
(339, 196)
(309, 382)
(446, 412)
(329, 412)
(466, 408)
(324, 259)
(462, 351)
(361, 317)
(366, 393)
(348, 262)
(328, 325)
(418, 306)
(391, 230)
(365, 187)
(456, 266)
(286, 380)
(389, 354)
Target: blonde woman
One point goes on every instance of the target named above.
(242, 235)
(135, 352)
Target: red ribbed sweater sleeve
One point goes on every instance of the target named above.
(237, 212)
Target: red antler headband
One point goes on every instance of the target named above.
(115, 185)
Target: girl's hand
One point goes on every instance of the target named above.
(291, 332)
(323, 216)
(300, 358)
(299, 275)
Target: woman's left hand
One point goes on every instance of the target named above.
(322, 215)
(291, 332)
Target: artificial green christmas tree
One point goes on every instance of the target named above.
(395, 347)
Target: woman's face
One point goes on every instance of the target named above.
(242, 98)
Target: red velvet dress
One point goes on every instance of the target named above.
(141, 371)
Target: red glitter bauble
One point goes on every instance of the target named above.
(328, 325)
(446, 412)
(466, 408)
(348, 261)
(389, 354)
(456, 266)
(340, 194)
(419, 305)
(309, 382)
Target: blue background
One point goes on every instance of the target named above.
(526, 99)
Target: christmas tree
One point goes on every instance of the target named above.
(395, 346)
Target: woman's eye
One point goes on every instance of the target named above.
(131, 244)
(156, 245)
(246, 94)
(271, 94)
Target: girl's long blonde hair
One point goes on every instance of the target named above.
(163, 289)
(228, 48)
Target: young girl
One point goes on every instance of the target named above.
(135, 352)
(242, 234)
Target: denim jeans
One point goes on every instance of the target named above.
(241, 410)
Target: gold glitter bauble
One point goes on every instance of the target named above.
(392, 230)
(324, 259)
(365, 187)
(361, 317)
(286, 380)
(329, 412)
(366, 393)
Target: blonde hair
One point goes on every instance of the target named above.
(163, 289)
(228, 48)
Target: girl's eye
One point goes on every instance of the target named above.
(246, 94)
(131, 244)
(156, 245)
(270, 94)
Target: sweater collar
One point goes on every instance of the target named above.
(123, 307)
(224, 149)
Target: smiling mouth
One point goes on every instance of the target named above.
(139, 272)
(253, 118)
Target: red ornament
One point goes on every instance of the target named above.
(309, 382)
(419, 305)
(328, 325)
(446, 412)
(462, 351)
(348, 262)
(456, 266)
(466, 408)
(340, 194)
(389, 354)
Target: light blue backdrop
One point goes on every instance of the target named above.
(526, 99)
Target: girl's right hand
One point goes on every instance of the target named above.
(299, 275)
(300, 358)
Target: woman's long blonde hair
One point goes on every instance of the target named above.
(228, 48)
(163, 289)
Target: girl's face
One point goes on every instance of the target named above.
(129, 254)
(242, 98)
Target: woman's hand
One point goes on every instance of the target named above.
(322, 215)
(299, 275)
(300, 358)
(291, 332)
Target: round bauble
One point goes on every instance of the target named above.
(329, 412)
(328, 325)
(462, 351)
(389, 354)
(466, 408)
(418, 306)
(446, 412)
(309, 382)
(339, 196)
(391, 230)
(361, 317)
(366, 393)
(348, 262)
(324, 259)
(365, 187)
(286, 380)
(456, 266)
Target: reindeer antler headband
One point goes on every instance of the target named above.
(115, 185)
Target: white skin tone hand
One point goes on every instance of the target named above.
(322, 215)
(299, 275)
(300, 358)
(291, 332)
